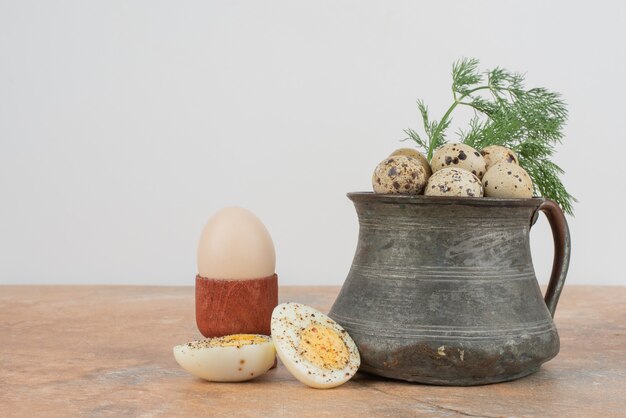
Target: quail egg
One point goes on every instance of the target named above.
(315, 349)
(232, 358)
(411, 152)
(399, 174)
(459, 156)
(495, 154)
(454, 182)
(507, 180)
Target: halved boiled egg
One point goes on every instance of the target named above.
(315, 349)
(232, 358)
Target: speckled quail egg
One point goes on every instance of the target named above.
(459, 156)
(232, 358)
(495, 154)
(411, 152)
(507, 180)
(315, 349)
(454, 182)
(399, 174)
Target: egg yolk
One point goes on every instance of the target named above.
(235, 340)
(323, 347)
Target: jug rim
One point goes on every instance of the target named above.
(444, 200)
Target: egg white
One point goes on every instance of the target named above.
(226, 363)
(288, 320)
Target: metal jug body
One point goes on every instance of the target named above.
(443, 290)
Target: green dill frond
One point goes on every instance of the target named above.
(500, 80)
(545, 175)
(528, 121)
(465, 74)
(438, 133)
(474, 135)
(412, 135)
(423, 111)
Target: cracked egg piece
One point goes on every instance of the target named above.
(495, 154)
(399, 175)
(413, 153)
(459, 156)
(232, 358)
(508, 180)
(454, 182)
(315, 349)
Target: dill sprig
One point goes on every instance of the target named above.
(528, 121)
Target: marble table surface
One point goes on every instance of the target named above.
(107, 351)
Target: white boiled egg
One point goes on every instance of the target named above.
(235, 245)
(315, 349)
(232, 358)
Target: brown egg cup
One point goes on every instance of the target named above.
(225, 307)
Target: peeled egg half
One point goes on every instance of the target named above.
(315, 349)
(232, 358)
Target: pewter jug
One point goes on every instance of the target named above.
(443, 291)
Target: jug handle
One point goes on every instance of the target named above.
(562, 250)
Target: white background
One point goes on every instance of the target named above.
(125, 124)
